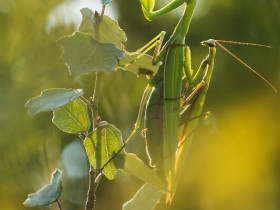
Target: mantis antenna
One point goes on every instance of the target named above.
(244, 43)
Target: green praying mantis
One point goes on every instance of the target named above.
(170, 117)
(167, 140)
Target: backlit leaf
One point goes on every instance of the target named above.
(72, 118)
(101, 145)
(146, 198)
(83, 54)
(48, 194)
(52, 99)
(136, 167)
(143, 65)
(109, 30)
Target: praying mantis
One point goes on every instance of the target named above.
(165, 137)
(170, 117)
(170, 120)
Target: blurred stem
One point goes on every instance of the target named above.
(59, 205)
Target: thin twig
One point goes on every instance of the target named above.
(86, 102)
(59, 205)
(94, 101)
(103, 10)
(93, 181)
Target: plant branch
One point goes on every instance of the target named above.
(93, 104)
(91, 190)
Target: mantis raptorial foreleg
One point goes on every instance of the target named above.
(148, 6)
(195, 109)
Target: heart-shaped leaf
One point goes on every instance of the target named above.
(101, 145)
(48, 194)
(83, 54)
(72, 118)
(52, 99)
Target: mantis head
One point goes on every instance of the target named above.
(209, 43)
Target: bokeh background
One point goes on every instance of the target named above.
(234, 161)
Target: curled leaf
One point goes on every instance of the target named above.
(48, 194)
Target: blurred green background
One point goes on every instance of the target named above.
(234, 162)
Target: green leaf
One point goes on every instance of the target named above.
(48, 194)
(72, 118)
(52, 99)
(74, 161)
(101, 145)
(147, 197)
(136, 167)
(104, 2)
(109, 30)
(143, 65)
(83, 54)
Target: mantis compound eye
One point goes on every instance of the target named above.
(209, 43)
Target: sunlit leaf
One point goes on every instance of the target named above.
(143, 65)
(72, 118)
(48, 194)
(104, 2)
(52, 99)
(101, 145)
(83, 54)
(109, 30)
(147, 197)
(136, 167)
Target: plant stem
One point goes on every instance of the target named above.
(94, 101)
(93, 180)
(59, 205)
(91, 191)
(86, 101)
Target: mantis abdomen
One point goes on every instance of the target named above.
(154, 121)
(154, 124)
